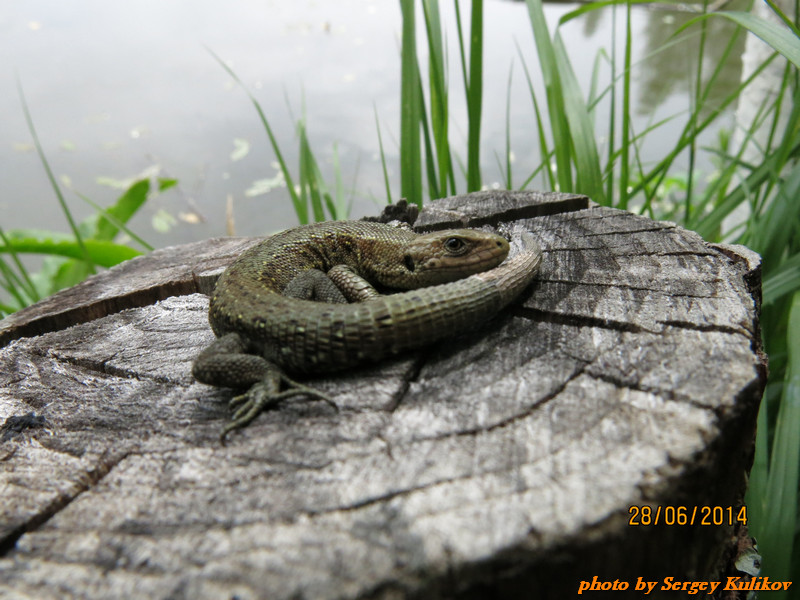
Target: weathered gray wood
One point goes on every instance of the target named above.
(499, 462)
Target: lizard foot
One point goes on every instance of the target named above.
(261, 396)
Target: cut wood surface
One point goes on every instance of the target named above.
(501, 462)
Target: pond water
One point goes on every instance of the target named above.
(120, 89)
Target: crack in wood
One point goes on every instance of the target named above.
(102, 366)
(461, 211)
(538, 314)
(418, 362)
(625, 286)
(10, 537)
(665, 394)
(650, 229)
(708, 327)
(92, 310)
(472, 431)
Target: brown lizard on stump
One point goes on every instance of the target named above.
(283, 305)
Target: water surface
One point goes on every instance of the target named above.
(119, 89)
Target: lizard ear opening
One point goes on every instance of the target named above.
(409, 263)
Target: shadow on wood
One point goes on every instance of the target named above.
(502, 462)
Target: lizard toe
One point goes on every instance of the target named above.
(261, 396)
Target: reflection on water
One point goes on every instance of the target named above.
(672, 70)
(115, 90)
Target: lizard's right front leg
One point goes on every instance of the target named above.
(226, 363)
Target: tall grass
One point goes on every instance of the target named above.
(424, 121)
(771, 192)
(615, 175)
(68, 258)
(311, 192)
(573, 161)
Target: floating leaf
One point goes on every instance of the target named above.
(263, 186)
(23, 147)
(163, 221)
(241, 148)
(190, 217)
(124, 184)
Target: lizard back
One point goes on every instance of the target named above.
(303, 336)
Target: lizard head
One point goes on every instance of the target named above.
(445, 256)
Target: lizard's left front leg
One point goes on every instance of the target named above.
(226, 363)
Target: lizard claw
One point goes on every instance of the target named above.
(261, 396)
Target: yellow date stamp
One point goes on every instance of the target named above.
(646, 516)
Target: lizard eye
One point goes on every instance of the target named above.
(409, 262)
(454, 245)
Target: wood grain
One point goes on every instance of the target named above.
(502, 461)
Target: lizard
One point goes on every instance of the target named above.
(305, 301)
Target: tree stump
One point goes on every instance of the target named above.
(512, 460)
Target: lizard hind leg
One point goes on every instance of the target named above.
(226, 363)
(264, 394)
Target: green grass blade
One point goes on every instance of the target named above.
(104, 214)
(555, 96)
(611, 136)
(709, 225)
(594, 100)
(14, 282)
(660, 170)
(759, 474)
(782, 16)
(714, 194)
(56, 189)
(509, 176)
(776, 539)
(299, 207)
(102, 253)
(783, 280)
(384, 166)
(782, 39)
(430, 157)
(713, 81)
(588, 178)
(696, 104)
(786, 88)
(592, 6)
(312, 187)
(771, 234)
(10, 282)
(461, 52)
(112, 220)
(475, 98)
(625, 142)
(545, 152)
(410, 110)
(439, 109)
(340, 209)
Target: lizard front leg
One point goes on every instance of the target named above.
(226, 363)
